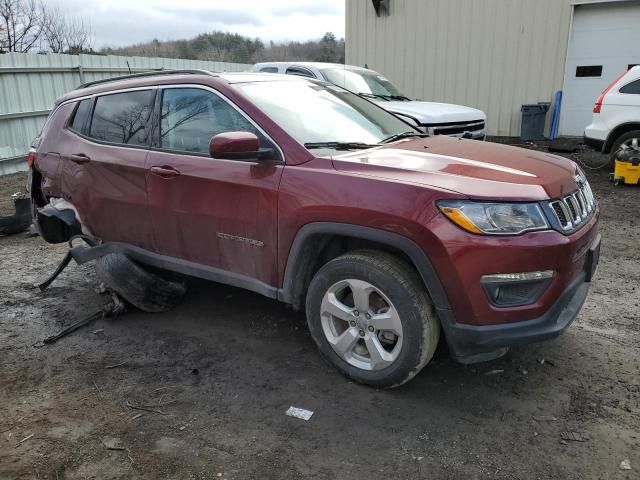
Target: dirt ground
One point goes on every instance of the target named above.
(218, 373)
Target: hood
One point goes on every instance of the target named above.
(478, 170)
(432, 112)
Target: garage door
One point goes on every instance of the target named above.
(604, 42)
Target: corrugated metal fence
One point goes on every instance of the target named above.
(30, 83)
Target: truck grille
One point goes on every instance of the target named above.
(454, 128)
(574, 210)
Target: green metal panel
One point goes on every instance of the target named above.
(30, 83)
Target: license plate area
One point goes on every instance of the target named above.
(593, 257)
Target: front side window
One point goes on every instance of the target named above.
(122, 117)
(191, 116)
(269, 70)
(311, 112)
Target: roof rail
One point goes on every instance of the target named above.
(148, 74)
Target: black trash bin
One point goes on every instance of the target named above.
(534, 117)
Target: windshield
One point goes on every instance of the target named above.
(313, 113)
(361, 81)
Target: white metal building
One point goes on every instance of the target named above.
(498, 54)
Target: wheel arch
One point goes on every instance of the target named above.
(617, 132)
(318, 242)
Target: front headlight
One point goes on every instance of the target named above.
(494, 218)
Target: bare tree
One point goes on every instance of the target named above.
(64, 34)
(22, 25)
(26, 25)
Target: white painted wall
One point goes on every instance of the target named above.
(606, 35)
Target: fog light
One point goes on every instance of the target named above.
(515, 289)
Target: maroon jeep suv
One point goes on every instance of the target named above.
(307, 193)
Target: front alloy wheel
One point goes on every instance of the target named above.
(370, 315)
(361, 324)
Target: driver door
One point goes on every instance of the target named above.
(217, 212)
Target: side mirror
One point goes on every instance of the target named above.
(238, 146)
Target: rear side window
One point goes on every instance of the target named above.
(269, 70)
(122, 117)
(191, 116)
(633, 87)
(81, 116)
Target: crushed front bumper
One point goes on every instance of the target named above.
(477, 343)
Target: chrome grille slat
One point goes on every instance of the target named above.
(586, 202)
(573, 210)
(571, 202)
(567, 214)
(581, 206)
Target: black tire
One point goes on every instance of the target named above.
(148, 291)
(404, 288)
(625, 137)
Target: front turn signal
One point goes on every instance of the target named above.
(460, 219)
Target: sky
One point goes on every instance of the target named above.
(123, 22)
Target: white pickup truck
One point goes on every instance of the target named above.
(431, 117)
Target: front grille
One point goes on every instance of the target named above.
(454, 128)
(574, 210)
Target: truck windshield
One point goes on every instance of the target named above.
(363, 82)
(317, 113)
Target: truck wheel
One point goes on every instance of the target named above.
(626, 139)
(148, 291)
(371, 317)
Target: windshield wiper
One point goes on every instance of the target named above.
(400, 97)
(339, 145)
(400, 136)
(384, 97)
(374, 95)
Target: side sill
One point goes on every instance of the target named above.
(83, 254)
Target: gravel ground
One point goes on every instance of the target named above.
(217, 374)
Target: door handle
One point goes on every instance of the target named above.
(79, 158)
(165, 172)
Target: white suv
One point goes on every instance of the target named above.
(616, 115)
(430, 117)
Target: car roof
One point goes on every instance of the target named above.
(171, 78)
(632, 72)
(318, 65)
(245, 77)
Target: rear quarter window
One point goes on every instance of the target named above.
(80, 116)
(633, 88)
(122, 117)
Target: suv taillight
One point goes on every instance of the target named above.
(598, 106)
(31, 158)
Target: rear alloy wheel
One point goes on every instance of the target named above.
(371, 317)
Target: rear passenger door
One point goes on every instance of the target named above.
(104, 170)
(217, 212)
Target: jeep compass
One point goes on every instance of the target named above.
(304, 192)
